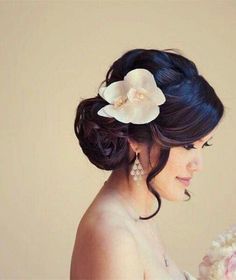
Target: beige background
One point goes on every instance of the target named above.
(53, 53)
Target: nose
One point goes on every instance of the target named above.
(196, 163)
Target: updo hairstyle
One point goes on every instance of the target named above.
(192, 110)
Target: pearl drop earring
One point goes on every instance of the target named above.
(137, 170)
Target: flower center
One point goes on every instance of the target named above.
(133, 95)
(136, 94)
(139, 95)
(119, 101)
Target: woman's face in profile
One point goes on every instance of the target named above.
(183, 162)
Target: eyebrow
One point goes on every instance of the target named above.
(201, 140)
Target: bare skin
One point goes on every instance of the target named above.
(109, 211)
(119, 204)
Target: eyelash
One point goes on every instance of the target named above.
(189, 147)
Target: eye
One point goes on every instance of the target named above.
(189, 147)
(207, 145)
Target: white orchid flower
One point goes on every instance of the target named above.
(135, 99)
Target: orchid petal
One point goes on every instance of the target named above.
(133, 100)
(103, 112)
(141, 78)
(121, 113)
(113, 91)
(144, 112)
(158, 96)
(139, 114)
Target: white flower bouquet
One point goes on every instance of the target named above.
(220, 261)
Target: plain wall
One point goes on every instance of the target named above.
(53, 53)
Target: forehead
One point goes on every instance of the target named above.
(208, 136)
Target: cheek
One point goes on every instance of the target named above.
(177, 162)
(171, 170)
(166, 183)
(168, 186)
(173, 166)
(166, 178)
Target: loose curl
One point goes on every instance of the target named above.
(192, 110)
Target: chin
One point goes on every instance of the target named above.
(174, 198)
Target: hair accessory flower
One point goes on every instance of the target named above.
(135, 99)
(220, 261)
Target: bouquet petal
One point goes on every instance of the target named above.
(220, 261)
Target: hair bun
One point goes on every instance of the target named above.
(103, 140)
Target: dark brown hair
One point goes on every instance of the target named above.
(192, 110)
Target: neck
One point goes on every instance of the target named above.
(138, 201)
(138, 197)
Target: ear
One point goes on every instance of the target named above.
(134, 145)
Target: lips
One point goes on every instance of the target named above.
(184, 180)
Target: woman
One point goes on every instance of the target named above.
(148, 124)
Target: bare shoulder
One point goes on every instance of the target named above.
(105, 249)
